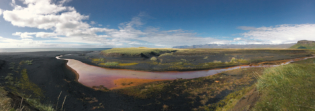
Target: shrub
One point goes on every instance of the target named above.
(153, 59)
(28, 62)
(205, 57)
(233, 60)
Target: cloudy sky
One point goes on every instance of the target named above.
(153, 23)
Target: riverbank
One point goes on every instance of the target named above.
(53, 85)
(40, 78)
(106, 78)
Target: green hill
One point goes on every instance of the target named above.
(304, 44)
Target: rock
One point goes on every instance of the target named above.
(306, 42)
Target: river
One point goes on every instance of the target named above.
(90, 75)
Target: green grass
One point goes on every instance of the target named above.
(25, 84)
(136, 51)
(5, 102)
(26, 89)
(303, 46)
(42, 107)
(109, 64)
(289, 87)
(231, 100)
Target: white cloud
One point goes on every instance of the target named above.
(282, 33)
(1, 11)
(42, 14)
(64, 1)
(237, 39)
(92, 22)
(65, 24)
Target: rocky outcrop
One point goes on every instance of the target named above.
(306, 42)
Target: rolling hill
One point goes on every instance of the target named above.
(304, 44)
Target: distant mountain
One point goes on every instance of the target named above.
(304, 44)
(238, 46)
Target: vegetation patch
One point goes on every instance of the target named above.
(309, 45)
(109, 64)
(199, 93)
(97, 60)
(24, 88)
(153, 59)
(229, 102)
(25, 84)
(288, 87)
(5, 102)
(127, 64)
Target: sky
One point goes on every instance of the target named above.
(153, 23)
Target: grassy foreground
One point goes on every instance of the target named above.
(289, 87)
(21, 88)
(283, 88)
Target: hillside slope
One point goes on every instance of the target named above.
(304, 44)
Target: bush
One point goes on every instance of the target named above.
(205, 57)
(153, 59)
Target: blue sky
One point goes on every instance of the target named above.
(153, 23)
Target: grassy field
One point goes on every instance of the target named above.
(289, 87)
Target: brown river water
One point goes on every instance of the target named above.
(90, 75)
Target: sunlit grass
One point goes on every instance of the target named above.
(127, 64)
(289, 87)
(109, 64)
